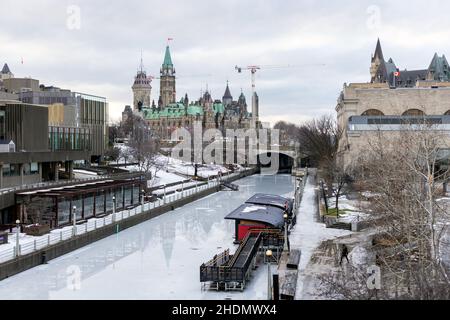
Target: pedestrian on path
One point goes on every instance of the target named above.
(344, 254)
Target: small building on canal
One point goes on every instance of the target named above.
(54, 206)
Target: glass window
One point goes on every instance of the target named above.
(6, 170)
(119, 197)
(99, 203)
(88, 205)
(14, 170)
(63, 211)
(136, 194)
(109, 199)
(2, 125)
(34, 168)
(77, 201)
(127, 200)
(26, 169)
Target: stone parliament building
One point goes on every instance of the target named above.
(391, 99)
(169, 114)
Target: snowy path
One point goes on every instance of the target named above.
(308, 234)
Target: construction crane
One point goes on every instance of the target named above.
(253, 69)
(185, 76)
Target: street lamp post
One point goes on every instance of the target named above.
(286, 239)
(143, 195)
(164, 194)
(17, 237)
(74, 221)
(269, 285)
(113, 218)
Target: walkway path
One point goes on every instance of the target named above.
(307, 235)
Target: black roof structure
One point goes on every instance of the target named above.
(3, 141)
(439, 70)
(5, 69)
(270, 215)
(271, 200)
(78, 189)
(227, 93)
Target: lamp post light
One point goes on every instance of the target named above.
(17, 237)
(269, 285)
(143, 195)
(74, 220)
(164, 194)
(286, 239)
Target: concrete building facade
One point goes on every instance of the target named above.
(388, 104)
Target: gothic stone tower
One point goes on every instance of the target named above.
(167, 83)
(141, 89)
(227, 98)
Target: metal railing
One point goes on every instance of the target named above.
(10, 252)
(67, 182)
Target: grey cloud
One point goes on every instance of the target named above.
(213, 36)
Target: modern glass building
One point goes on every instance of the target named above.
(92, 113)
(69, 138)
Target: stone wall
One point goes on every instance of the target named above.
(355, 99)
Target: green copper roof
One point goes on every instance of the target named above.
(167, 59)
(178, 110)
(218, 108)
(194, 109)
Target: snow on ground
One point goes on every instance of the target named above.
(174, 188)
(174, 170)
(83, 174)
(308, 234)
(174, 165)
(352, 209)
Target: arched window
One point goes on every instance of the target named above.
(413, 112)
(447, 113)
(372, 112)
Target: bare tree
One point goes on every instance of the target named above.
(319, 141)
(145, 153)
(341, 177)
(113, 154)
(401, 170)
(289, 131)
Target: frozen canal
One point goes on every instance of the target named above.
(158, 259)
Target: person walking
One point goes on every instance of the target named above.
(344, 254)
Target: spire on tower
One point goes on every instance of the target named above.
(378, 51)
(167, 58)
(227, 93)
(142, 63)
(5, 69)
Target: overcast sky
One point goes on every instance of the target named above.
(100, 52)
